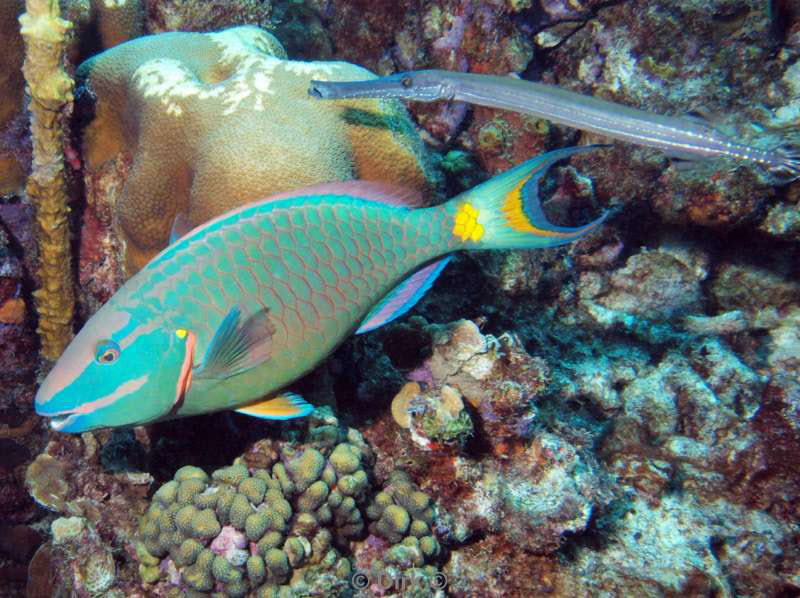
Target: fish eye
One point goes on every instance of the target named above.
(106, 352)
(406, 82)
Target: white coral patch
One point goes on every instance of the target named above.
(253, 78)
(312, 68)
(262, 82)
(242, 42)
(114, 3)
(167, 79)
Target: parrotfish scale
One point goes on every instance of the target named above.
(300, 287)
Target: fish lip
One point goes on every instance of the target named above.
(62, 420)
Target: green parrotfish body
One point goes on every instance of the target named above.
(237, 309)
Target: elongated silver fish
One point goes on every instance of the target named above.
(681, 137)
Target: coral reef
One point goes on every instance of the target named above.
(16, 340)
(212, 15)
(114, 22)
(401, 552)
(175, 103)
(536, 486)
(244, 530)
(78, 558)
(616, 417)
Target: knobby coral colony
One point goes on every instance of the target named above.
(256, 529)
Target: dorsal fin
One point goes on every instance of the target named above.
(386, 193)
(403, 297)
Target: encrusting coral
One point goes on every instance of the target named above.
(215, 120)
(51, 90)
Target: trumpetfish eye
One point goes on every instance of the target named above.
(106, 352)
(406, 82)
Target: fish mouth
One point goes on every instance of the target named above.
(61, 421)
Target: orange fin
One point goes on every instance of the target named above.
(285, 406)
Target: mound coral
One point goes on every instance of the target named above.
(213, 121)
(402, 544)
(255, 529)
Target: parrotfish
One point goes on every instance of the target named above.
(238, 308)
(687, 137)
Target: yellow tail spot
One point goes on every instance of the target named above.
(181, 333)
(466, 224)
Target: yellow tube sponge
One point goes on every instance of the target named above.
(215, 120)
(44, 32)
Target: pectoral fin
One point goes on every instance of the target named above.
(237, 346)
(285, 406)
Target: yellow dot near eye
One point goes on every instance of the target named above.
(181, 333)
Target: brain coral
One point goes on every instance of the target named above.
(214, 120)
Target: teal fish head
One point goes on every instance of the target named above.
(120, 370)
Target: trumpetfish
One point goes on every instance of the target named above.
(687, 137)
(234, 311)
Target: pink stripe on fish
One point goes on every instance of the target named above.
(123, 390)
